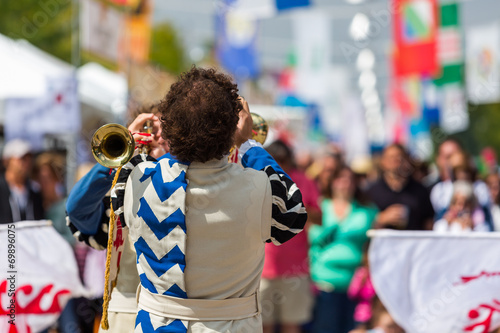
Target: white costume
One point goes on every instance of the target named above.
(200, 243)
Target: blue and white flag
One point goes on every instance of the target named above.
(236, 29)
(267, 8)
(236, 32)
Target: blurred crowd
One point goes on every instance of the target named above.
(320, 280)
(390, 190)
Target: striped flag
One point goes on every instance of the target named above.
(453, 112)
(449, 45)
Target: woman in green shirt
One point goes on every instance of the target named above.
(336, 249)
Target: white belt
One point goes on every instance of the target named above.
(199, 309)
(123, 302)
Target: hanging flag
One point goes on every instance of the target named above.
(431, 103)
(415, 36)
(312, 40)
(136, 35)
(454, 116)
(483, 62)
(131, 4)
(289, 4)
(449, 46)
(38, 276)
(266, 8)
(101, 28)
(236, 33)
(438, 282)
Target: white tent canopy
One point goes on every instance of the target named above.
(27, 72)
(102, 89)
(25, 69)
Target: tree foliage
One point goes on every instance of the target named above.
(46, 24)
(166, 49)
(485, 125)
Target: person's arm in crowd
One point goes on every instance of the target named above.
(314, 215)
(310, 197)
(84, 205)
(393, 216)
(288, 212)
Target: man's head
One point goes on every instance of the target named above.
(199, 115)
(395, 160)
(281, 154)
(17, 158)
(447, 149)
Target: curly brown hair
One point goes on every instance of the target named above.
(199, 115)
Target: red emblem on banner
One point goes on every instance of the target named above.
(33, 306)
(485, 311)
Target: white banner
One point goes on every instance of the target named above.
(483, 64)
(433, 282)
(58, 111)
(101, 29)
(312, 41)
(454, 116)
(38, 276)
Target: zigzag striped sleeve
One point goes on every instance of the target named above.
(288, 212)
(118, 191)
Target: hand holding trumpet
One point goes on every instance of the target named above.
(157, 146)
(250, 126)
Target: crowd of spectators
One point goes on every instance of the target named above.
(390, 190)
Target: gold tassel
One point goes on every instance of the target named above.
(107, 289)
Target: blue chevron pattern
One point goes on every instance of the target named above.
(143, 324)
(160, 265)
(164, 192)
(163, 228)
(159, 232)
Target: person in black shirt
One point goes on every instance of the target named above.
(403, 202)
(18, 199)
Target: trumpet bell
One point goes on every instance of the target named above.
(112, 145)
(260, 128)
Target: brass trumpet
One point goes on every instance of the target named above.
(112, 145)
(260, 128)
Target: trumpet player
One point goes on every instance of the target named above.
(88, 218)
(198, 223)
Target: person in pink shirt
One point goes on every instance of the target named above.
(285, 287)
(362, 292)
